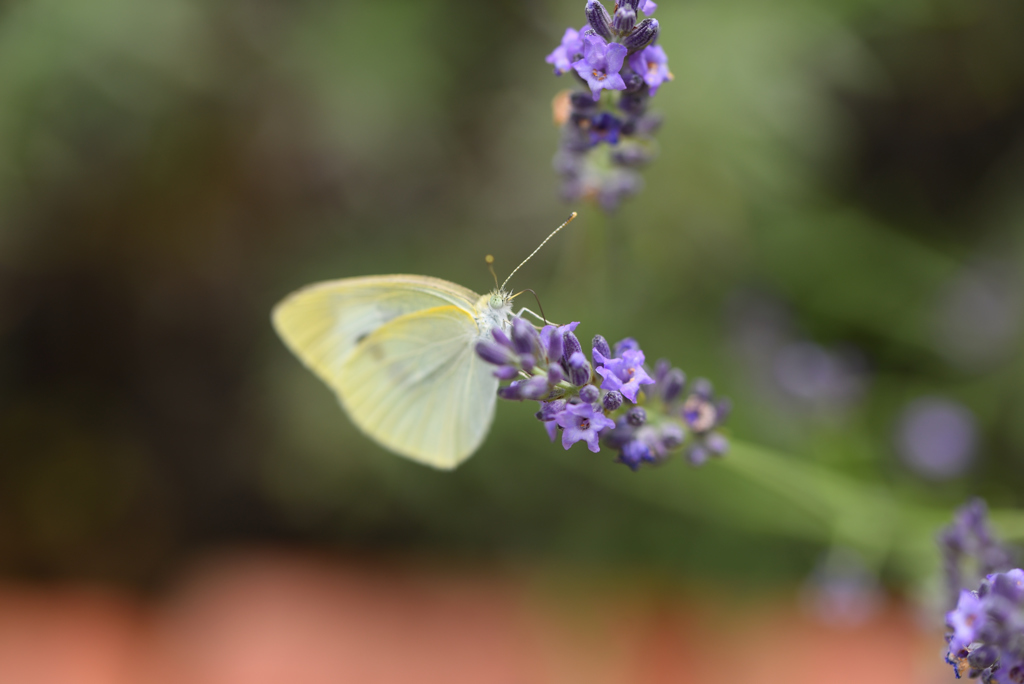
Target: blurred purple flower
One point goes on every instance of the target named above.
(567, 51)
(652, 64)
(809, 372)
(936, 437)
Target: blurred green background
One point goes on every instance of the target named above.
(831, 234)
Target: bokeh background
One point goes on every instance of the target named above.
(831, 234)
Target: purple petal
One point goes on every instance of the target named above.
(594, 49)
(552, 428)
(614, 54)
(614, 82)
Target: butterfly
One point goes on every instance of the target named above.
(399, 351)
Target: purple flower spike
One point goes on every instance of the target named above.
(625, 374)
(563, 56)
(600, 65)
(580, 423)
(652, 64)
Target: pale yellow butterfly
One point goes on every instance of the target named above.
(399, 353)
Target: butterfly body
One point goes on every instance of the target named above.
(399, 353)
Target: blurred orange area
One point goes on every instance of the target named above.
(263, 617)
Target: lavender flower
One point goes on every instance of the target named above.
(625, 374)
(603, 404)
(568, 51)
(936, 437)
(987, 637)
(652, 64)
(601, 64)
(581, 423)
(969, 550)
(607, 132)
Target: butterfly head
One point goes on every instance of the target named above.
(495, 309)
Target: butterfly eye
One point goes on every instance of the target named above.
(496, 301)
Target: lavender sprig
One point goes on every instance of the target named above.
(607, 132)
(610, 398)
(986, 637)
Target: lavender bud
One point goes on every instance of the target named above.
(571, 346)
(552, 342)
(661, 369)
(624, 19)
(632, 80)
(612, 400)
(582, 101)
(534, 388)
(549, 410)
(501, 338)
(524, 336)
(702, 388)
(671, 436)
(600, 347)
(555, 374)
(716, 444)
(634, 452)
(579, 369)
(599, 20)
(527, 362)
(636, 416)
(631, 4)
(633, 103)
(643, 34)
(589, 394)
(513, 392)
(673, 386)
(493, 353)
(722, 410)
(697, 455)
(506, 372)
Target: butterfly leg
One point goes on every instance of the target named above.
(539, 318)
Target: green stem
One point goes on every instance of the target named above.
(761, 490)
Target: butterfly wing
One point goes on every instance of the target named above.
(399, 353)
(322, 323)
(417, 386)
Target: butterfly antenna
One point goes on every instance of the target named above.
(490, 267)
(567, 222)
(539, 305)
